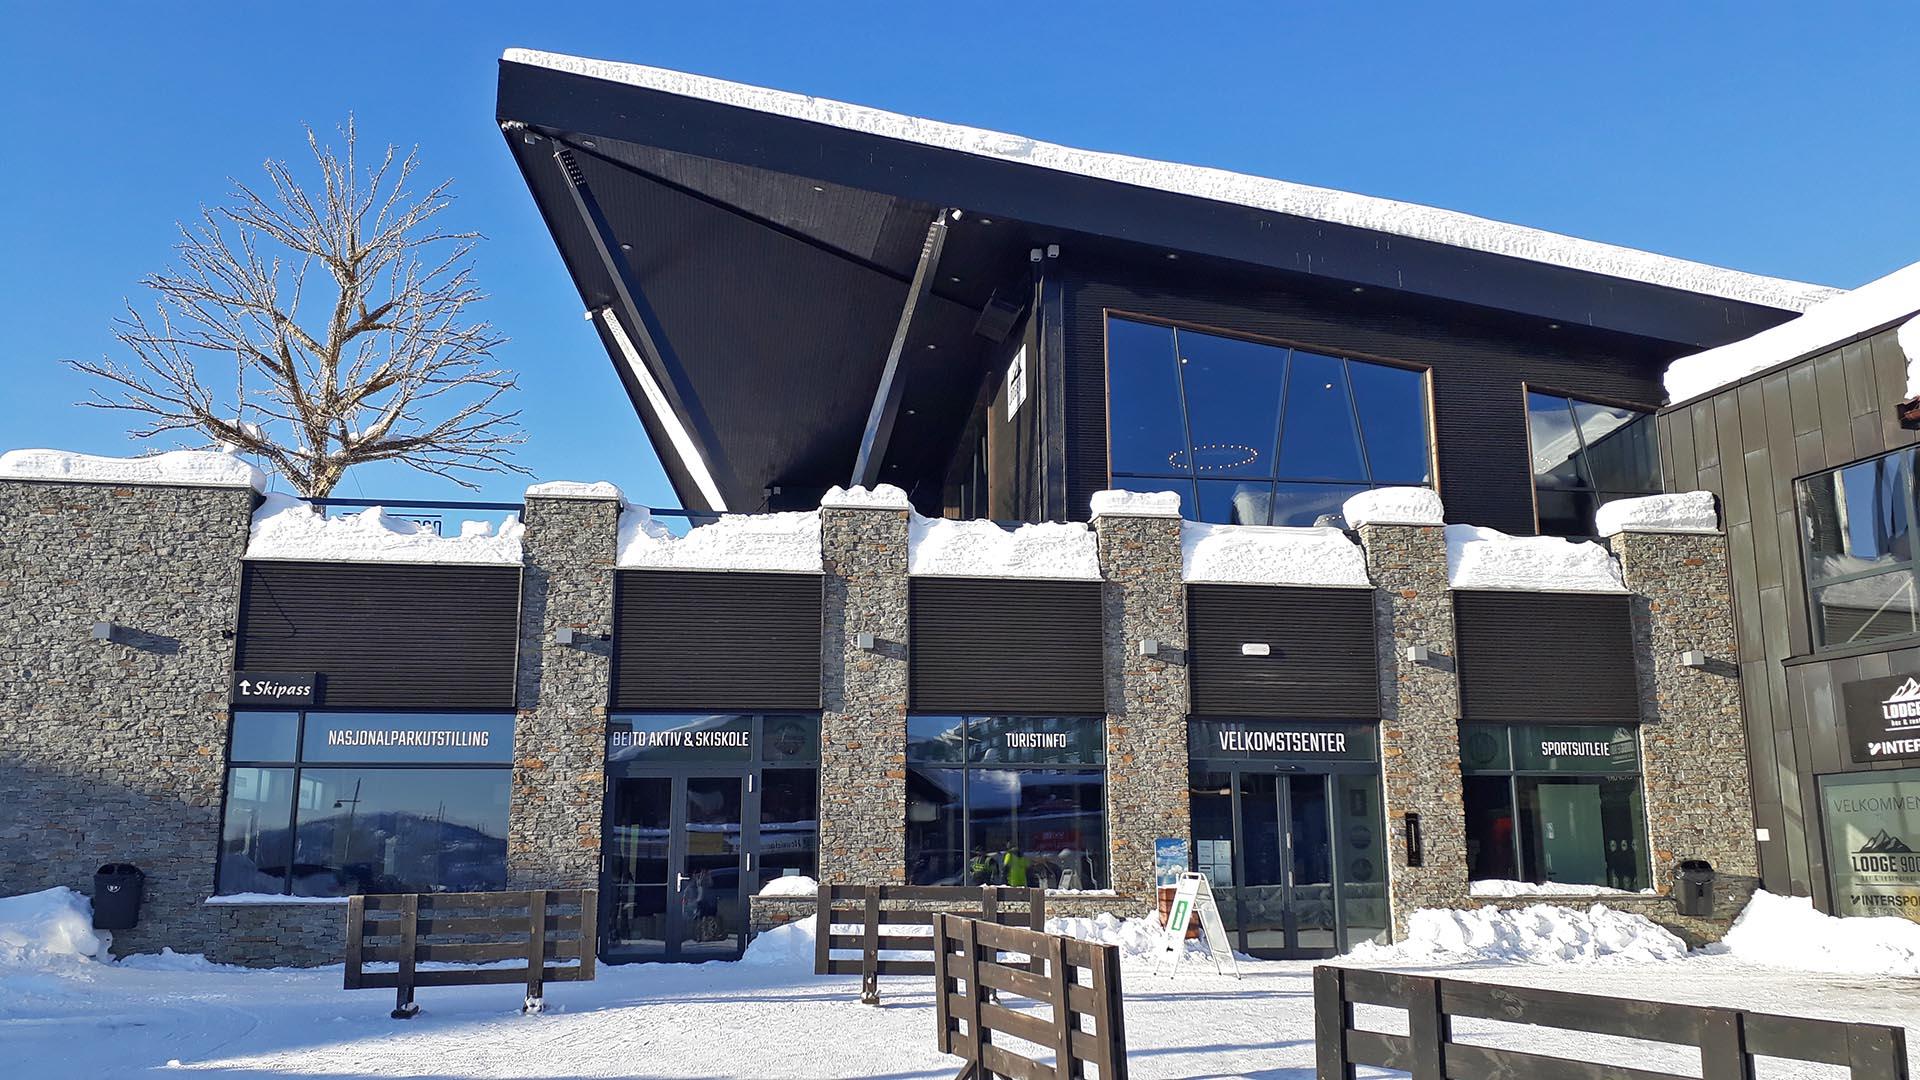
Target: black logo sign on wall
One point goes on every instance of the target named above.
(276, 688)
(1883, 718)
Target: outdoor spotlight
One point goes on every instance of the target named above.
(864, 641)
(103, 631)
(1694, 658)
(1418, 654)
(1256, 648)
(564, 636)
(1149, 647)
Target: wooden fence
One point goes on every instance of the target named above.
(1080, 1021)
(407, 929)
(896, 928)
(1728, 1039)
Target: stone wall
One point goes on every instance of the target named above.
(1693, 739)
(559, 745)
(863, 722)
(1419, 715)
(1143, 599)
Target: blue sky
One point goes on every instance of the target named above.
(1767, 138)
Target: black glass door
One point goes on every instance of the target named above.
(1267, 842)
(675, 865)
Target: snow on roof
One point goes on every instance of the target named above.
(1841, 319)
(287, 528)
(575, 489)
(787, 542)
(1394, 506)
(1136, 503)
(943, 547)
(179, 468)
(1480, 558)
(1300, 200)
(1684, 512)
(882, 497)
(1271, 555)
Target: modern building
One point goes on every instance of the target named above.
(936, 402)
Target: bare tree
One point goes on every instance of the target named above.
(388, 367)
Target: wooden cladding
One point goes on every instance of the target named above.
(1321, 661)
(386, 635)
(1542, 657)
(732, 641)
(981, 645)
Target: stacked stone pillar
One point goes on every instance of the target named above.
(1693, 741)
(1143, 599)
(863, 721)
(1419, 714)
(559, 766)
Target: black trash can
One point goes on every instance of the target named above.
(117, 888)
(1693, 887)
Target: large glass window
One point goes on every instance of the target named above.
(1856, 536)
(337, 803)
(1872, 823)
(1006, 800)
(1586, 455)
(1554, 804)
(1257, 434)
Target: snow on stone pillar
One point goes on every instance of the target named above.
(1143, 600)
(863, 721)
(1405, 542)
(559, 747)
(1693, 745)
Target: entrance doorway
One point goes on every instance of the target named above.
(676, 860)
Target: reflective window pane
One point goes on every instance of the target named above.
(400, 830)
(1312, 504)
(1146, 429)
(1555, 443)
(256, 843)
(1565, 513)
(1233, 398)
(1585, 830)
(1864, 609)
(1050, 740)
(440, 738)
(1392, 403)
(789, 823)
(1858, 518)
(936, 830)
(1235, 502)
(937, 738)
(264, 736)
(1317, 439)
(790, 738)
(1039, 827)
(1621, 453)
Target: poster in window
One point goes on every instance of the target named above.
(1873, 842)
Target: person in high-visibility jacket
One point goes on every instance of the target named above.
(1016, 865)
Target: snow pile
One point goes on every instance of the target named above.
(1271, 555)
(180, 468)
(1394, 506)
(574, 489)
(791, 885)
(1686, 512)
(52, 924)
(288, 528)
(786, 945)
(1499, 887)
(1278, 196)
(1138, 939)
(788, 542)
(1833, 322)
(881, 497)
(1480, 558)
(1540, 934)
(943, 547)
(1785, 931)
(1136, 503)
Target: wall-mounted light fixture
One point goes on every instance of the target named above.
(1419, 654)
(104, 631)
(1256, 648)
(567, 635)
(864, 642)
(1693, 658)
(1149, 647)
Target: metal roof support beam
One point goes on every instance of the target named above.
(632, 323)
(878, 433)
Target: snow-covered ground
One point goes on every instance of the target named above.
(68, 1015)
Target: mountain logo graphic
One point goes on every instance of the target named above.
(1884, 843)
(1908, 691)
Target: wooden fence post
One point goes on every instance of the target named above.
(976, 1036)
(404, 1007)
(1876, 1053)
(822, 928)
(1428, 1029)
(589, 931)
(1723, 1046)
(536, 951)
(870, 949)
(1332, 1019)
(356, 923)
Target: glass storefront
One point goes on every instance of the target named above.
(1872, 824)
(1007, 800)
(1286, 821)
(1586, 455)
(702, 810)
(1554, 803)
(338, 803)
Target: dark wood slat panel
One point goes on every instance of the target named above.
(1731, 455)
(1836, 421)
(1324, 660)
(1007, 645)
(1805, 395)
(1777, 408)
(1512, 643)
(1686, 464)
(730, 641)
(386, 635)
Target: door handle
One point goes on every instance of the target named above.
(680, 882)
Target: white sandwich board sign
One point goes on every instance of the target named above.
(1194, 897)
